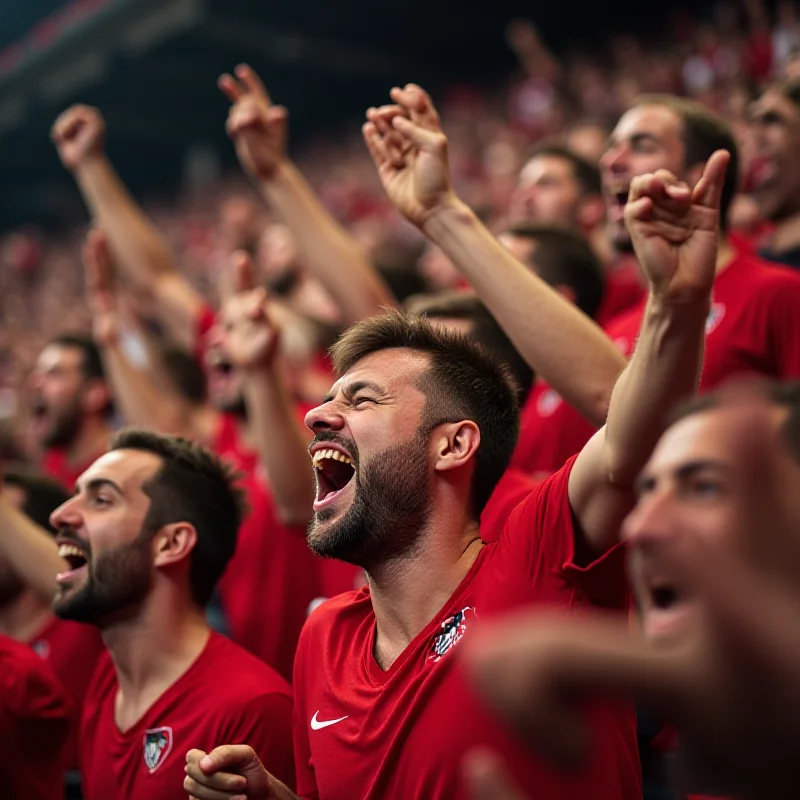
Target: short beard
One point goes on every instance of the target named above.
(117, 582)
(389, 510)
(64, 428)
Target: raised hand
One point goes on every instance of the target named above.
(251, 337)
(675, 230)
(100, 291)
(78, 134)
(409, 149)
(232, 771)
(257, 127)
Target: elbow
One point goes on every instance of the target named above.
(621, 473)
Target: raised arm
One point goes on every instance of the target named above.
(141, 398)
(559, 342)
(30, 550)
(280, 437)
(331, 255)
(675, 232)
(137, 246)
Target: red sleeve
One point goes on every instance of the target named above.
(202, 325)
(542, 533)
(784, 327)
(304, 770)
(265, 724)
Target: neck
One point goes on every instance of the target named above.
(90, 441)
(786, 235)
(25, 616)
(408, 592)
(152, 650)
(601, 244)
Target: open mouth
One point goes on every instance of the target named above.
(38, 409)
(666, 610)
(334, 471)
(76, 560)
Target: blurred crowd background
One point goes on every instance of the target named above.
(573, 91)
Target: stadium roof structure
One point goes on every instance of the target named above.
(151, 66)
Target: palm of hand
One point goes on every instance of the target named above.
(260, 147)
(416, 187)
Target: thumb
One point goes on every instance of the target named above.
(432, 141)
(243, 272)
(238, 758)
(487, 778)
(708, 191)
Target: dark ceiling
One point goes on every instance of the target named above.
(151, 66)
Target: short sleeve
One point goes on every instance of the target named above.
(542, 533)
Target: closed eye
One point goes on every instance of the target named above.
(100, 500)
(361, 399)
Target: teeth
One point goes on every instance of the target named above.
(321, 455)
(65, 550)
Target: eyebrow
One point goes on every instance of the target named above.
(350, 389)
(99, 483)
(685, 471)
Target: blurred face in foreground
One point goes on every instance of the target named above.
(697, 484)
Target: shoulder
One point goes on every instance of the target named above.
(768, 276)
(338, 618)
(29, 686)
(253, 678)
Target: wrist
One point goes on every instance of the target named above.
(685, 306)
(90, 162)
(448, 215)
(282, 175)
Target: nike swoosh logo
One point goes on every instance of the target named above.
(318, 725)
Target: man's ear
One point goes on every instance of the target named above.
(96, 396)
(174, 543)
(455, 443)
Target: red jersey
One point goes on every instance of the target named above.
(753, 326)
(624, 289)
(226, 695)
(360, 731)
(54, 464)
(511, 490)
(34, 724)
(273, 577)
(72, 650)
(550, 432)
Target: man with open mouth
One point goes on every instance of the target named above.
(408, 446)
(145, 538)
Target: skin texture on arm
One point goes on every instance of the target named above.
(142, 399)
(137, 246)
(559, 342)
(280, 438)
(30, 550)
(332, 256)
(675, 232)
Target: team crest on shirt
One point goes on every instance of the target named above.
(548, 402)
(714, 317)
(157, 744)
(453, 630)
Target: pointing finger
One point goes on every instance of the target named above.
(230, 87)
(708, 191)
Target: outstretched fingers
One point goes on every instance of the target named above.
(708, 191)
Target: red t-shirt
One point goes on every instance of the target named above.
(753, 327)
(624, 288)
(34, 725)
(511, 490)
(273, 576)
(54, 463)
(363, 732)
(72, 650)
(226, 696)
(550, 432)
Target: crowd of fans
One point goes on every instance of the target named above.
(594, 227)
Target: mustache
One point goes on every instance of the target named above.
(71, 535)
(344, 441)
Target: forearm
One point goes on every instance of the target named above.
(328, 251)
(140, 399)
(663, 372)
(281, 444)
(560, 343)
(30, 550)
(137, 247)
